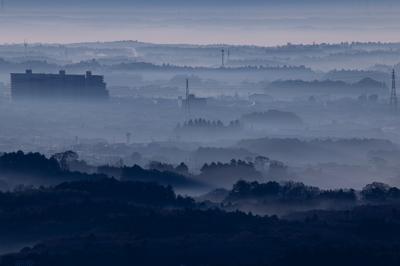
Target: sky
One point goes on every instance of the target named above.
(114, 3)
(266, 22)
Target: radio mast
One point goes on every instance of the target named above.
(393, 94)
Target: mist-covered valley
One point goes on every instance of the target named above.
(166, 152)
(329, 128)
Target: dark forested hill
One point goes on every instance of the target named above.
(114, 223)
(95, 220)
(36, 169)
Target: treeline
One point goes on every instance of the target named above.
(166, 176)
(288, 192)
(288, 197)
(95, 65)
(36, 169)
(225, 174)
(198, 129)
(203, 124)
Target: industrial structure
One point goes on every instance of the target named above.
(393, 94)
(61, 86)
(191, 101)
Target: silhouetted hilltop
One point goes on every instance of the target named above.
(282, 198)
(161, 176)
(288, 192)
(289, 197)
(35, 169)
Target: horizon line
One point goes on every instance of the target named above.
(199, 44)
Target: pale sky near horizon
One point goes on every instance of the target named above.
(240, 24)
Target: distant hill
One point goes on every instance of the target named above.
(365, 85)
(316, 150)
(354, 76)
(35, 169)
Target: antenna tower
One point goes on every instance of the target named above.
(26, 48)
(187, 102)
(128, 137)
(223, 57)
(393, 94)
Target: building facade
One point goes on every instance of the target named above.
(29, 85)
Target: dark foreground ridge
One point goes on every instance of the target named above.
(109, 222)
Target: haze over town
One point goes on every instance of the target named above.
(199, 133)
